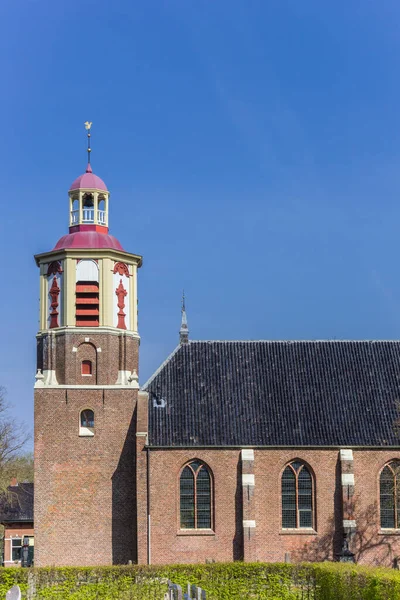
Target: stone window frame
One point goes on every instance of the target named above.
(298, 529)
(83, 430)
(196, 530)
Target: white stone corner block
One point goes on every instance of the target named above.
(87, 339)
(248, 479)
(49, 377)
(39, 377)
(247, 454)
(349, 524)
(347, 479)
(74, 349)
(250, 524)
(98, 349)
(346, 454)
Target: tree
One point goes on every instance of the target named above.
(13, 437)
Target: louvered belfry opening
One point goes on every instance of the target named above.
(87, 301)
(87, 304)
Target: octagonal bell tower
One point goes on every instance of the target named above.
(86, 388)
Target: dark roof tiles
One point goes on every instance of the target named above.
(261, 393)
(16, 505)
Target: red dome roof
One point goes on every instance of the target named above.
(88, 181)
(88, 239)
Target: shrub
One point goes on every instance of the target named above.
(230, 581)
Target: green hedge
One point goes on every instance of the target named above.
(230, 581)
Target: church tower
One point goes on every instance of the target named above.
(86, 389)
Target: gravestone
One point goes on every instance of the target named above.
(14, 593)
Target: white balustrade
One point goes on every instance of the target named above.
(74, 217)
(88, 215)
(101, 217)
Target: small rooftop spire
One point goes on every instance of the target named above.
(88, 125)
(184, 331)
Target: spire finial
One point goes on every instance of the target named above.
(184, 331)
(88, 125)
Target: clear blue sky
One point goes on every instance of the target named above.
(252, 150)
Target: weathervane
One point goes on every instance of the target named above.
(88, 125)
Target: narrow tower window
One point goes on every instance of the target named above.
(86, 425)
(297, 497)
(195, 496)
(86, 367)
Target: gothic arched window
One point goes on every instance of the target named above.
(389, 492)
(297, 497)
(195, 496)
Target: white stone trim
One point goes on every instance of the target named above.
(346, 454)
(98, 349)
(248, 479)
(74, 349)
(48, 378)
(247, 454)
(347, 479)
(92, 330)
(128, 378)
(249, 523)
(141, 433)
(349, 523)
(89, 387)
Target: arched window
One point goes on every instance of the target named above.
(195, 496)
(86, 422)
(297, 497)
(86, 367)
(101, 213)
(88, 210)
(389, 488)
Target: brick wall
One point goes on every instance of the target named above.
(85, 487)
(269, 542)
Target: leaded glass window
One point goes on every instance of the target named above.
(389, 488)
(297, 497)
(195, 496)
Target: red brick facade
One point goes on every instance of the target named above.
(85, 495)
(267, 541)
(91, 492)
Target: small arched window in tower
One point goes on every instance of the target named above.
(195, 497)
(297, 497)
(88, 208)
(86, 367)
(101, 212)
(389, 492)
(86, 422)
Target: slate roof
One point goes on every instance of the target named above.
(277, 393)
(16, 505)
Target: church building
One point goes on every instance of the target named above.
(232, 450)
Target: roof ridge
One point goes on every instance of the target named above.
(369, 341)
(160, 368)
